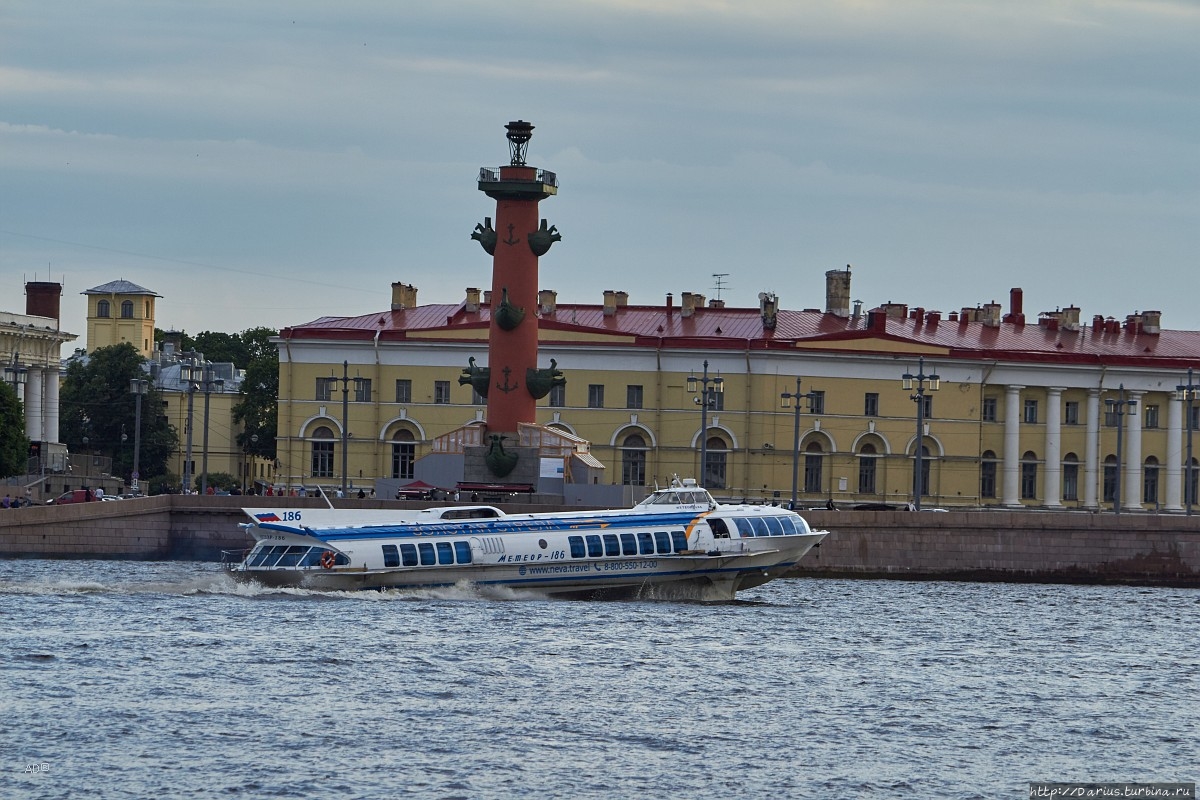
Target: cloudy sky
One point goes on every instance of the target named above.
(266, 163)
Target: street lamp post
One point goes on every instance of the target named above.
(209, 382)
(1119, 408)
(358, 384)
(917, 382)
(706, 398)
(786, 400)
(188, 373)
(1188, 392)
(138, 387)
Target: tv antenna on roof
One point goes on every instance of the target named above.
(720, 283)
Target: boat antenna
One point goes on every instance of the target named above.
(325, 495)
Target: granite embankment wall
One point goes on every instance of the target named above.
(1042, 546)
(995, 545)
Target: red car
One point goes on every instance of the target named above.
(73, 496)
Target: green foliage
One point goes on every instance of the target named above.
(96, 403)
(14, 445)
(258, 409)
(221, 481)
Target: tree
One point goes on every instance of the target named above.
(14, 445)
(258, 409)
(95, 402)
(222, 348)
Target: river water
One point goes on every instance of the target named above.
(166, 680)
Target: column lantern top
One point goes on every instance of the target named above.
(519, 134)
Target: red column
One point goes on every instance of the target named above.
(515, 272)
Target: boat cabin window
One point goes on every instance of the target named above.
(259, 558)
(577, 550)
(426, 551)
(594, 548)
(391, 555)
(628, 544)
(462, 552)
(662, 540)
(646, 543)
(743, 527)
(679, 540)
(760, 526)
(292, 556)
(774, 526)
(445, 553)
(612, 547)
(408, 554)
(719, 529)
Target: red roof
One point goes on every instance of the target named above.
(743, 328)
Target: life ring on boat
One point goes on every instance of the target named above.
(328, 559)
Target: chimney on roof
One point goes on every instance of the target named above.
(547, 302)
(487, 297)
(622, 299)
(687, 303)
(989, 315)
(895, 310)
(837, 292)
(42, 299)
(932, 318)
(403, 296)
(471, 305)
(1133, 323)
(610, 302)
(858, 304)
(1070, 318)
(768, 307)
(716, 303)
(1152, 322)
(1016, 306)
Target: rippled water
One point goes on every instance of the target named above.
(123, 679)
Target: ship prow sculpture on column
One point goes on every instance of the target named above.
(512, 382)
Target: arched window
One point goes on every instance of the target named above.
(868, 459)
(813, 460)
(102, 308)
(127, 309)
(714, 463)
(987, 474)
(322, 453)
(633, 460)
(1110, 479)
(1029, 476)
(404, 454)
(1150, 481)
(1070, 480)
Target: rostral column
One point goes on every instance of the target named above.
(512, 382)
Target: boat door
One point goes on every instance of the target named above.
(486, 549)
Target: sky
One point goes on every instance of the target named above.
(268, 163)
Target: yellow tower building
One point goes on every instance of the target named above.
(121, 311)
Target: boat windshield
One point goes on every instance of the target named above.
(678, 497)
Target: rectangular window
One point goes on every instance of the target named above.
(391, 556)
(362, 390)
(871, 404)
(324, 389)
(441, 392)
(1070, 483)
(1151, 419)
(462, 552)
(1150, 485)
(927, 402)
(612, 546)
(1071, 413)
(987, 479)
(1031, 412)
(989, 409)
(679, 541)
(403, 390)
(816, 402)
(577, 549)
(404, 457)
(662, 540)
(1028, 480)
(628, 545)
(408, 553)
(595, 395)
(633, 396)
(594, 546)
(646, 543)
(558, 396)
(428, 559)
(445, 553)
(322, 459)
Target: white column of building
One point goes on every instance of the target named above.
(50, 412)
(1012, 446)
(33, 404)
(1091, 453)
(1131, 493)
(1174, 455)
(1053, 481)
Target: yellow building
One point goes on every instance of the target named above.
(120, 311)
(1013, 411)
